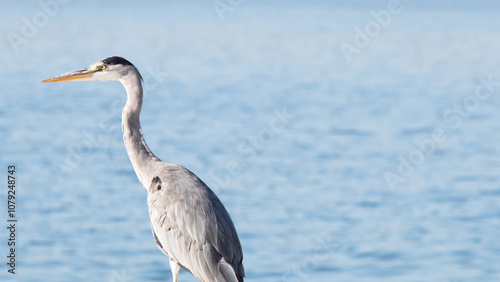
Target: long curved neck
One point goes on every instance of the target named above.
(143, 160)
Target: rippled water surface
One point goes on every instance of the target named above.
(359, 157)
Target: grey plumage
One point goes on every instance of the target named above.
(188, 221)
(192, 226)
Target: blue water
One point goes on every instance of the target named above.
(265, 87)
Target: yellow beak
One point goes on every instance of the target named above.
(74, 75)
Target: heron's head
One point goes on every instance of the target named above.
(112, 68)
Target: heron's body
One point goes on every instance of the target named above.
(188, 221)
(195, 232)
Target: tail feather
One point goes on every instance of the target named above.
(227, 273)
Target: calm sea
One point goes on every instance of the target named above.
(348, 141)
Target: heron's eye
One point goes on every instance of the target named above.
(158, 188)
(103, 67)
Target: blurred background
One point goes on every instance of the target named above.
(349, 140)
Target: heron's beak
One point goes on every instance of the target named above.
(74, 75)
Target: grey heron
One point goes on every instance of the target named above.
(189, 223)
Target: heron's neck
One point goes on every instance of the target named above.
(143, 160)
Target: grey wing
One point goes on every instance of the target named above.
(192, 227)
(157, 241)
